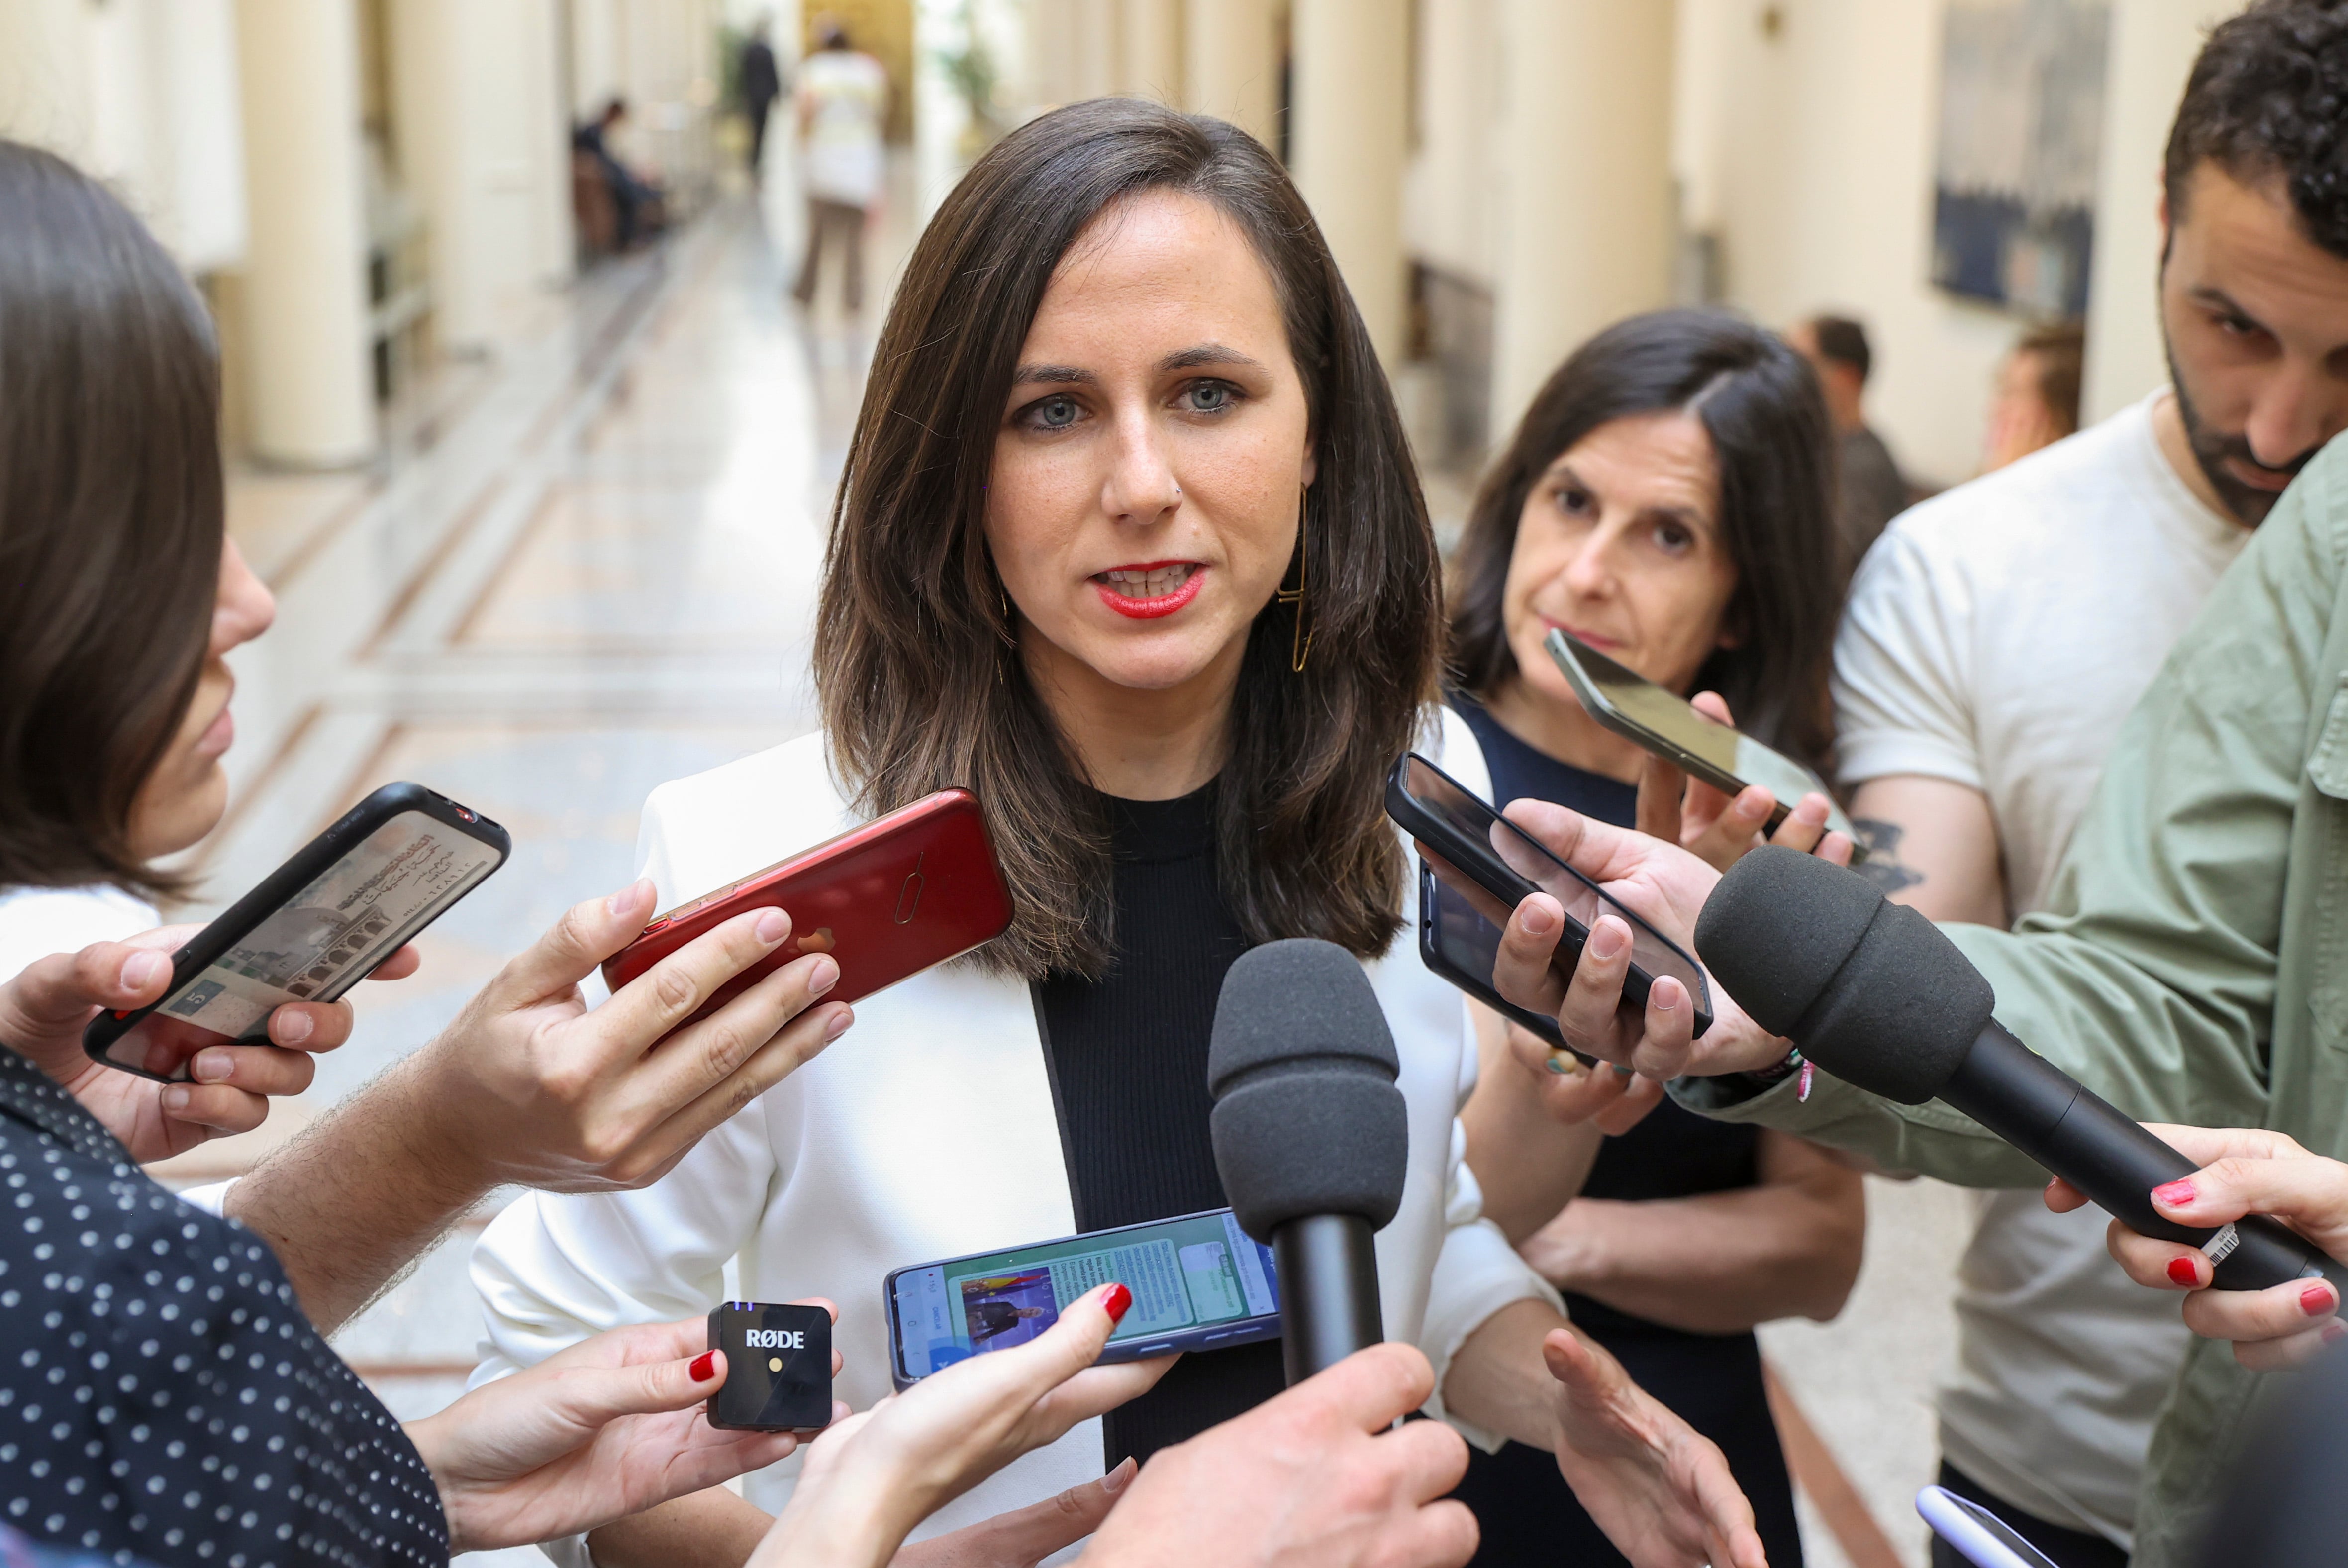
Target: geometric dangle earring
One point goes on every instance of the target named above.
(1300, 647)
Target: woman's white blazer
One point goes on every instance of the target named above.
(926, 1131)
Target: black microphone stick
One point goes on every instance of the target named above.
(1874, 994)
(1312, 1136)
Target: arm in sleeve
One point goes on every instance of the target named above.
(2151, 977)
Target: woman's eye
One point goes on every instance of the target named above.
(1673, 538)
(1209, 397)
(1574, 502)
(1052, 413)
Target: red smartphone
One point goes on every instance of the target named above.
(887, 901)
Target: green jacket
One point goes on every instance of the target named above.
(2189, 967)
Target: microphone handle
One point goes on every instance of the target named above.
(2076, 1134)
(1328, 1269)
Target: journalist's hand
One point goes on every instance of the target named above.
(45, 1008)
(1616, 1099)
(1719, 829)
(530, 1086)
(609, 1427)
(2245, 1171)
(1313, 1477)
(1665, 886)
(1659, 1489)
(867, 1482)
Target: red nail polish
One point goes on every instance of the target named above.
(2183, 1271)
(2175, 1194)
(1117, 1303)
(704, 1365)
(2317, 1301)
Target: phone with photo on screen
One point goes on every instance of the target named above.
(1199, 1283)
(313, 928)
(1664, 724)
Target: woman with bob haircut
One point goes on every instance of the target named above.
(1668, 499)
(1130, 543)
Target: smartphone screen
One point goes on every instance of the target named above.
(1463, 947)
(316, 946)
(1518, 852)
(1980, 1536)
(1198, 1280)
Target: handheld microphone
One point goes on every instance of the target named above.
(1312, 1138)
(1873, 993)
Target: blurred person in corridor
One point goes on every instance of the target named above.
(2036, 400)
(843, 110)
(1870, 485)
(1668, 499)
(762, 84)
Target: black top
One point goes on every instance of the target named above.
(1714, 1381)
(163, 1398)
(1127, 1054)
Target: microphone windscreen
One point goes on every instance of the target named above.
(1870, 989)
(1307, 1119)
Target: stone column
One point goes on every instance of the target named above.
(1585, 214)
(1352, 116)
(1230, 64)
(309, 390)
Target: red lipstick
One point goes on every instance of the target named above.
(1122, 597)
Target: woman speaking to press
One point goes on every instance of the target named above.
(1130, 543)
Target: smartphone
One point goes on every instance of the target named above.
(1458, 943)
(1980, 1537)
(1662, 722)
(1199, 1283)
(887, 901)
(316, 926)
(1494, 865)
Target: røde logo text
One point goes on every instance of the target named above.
(774, 1340)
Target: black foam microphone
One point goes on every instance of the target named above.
(1873, 993)
(1312, 1136)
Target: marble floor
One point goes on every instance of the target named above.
(588, 564)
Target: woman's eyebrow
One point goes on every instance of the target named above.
(1052, 375)
(1207, 354)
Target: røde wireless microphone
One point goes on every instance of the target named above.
(1312, 1136)
(1873, 993)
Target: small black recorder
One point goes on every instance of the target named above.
(778, 1368)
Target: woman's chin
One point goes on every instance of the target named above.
(167, 824)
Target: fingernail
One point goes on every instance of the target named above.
(773, 926)
(1623, 1072)
(626, 902)
(1606, 941)
(175, 1100)
(838, 1027)
(211, 1067)
(1562, 1064)
(822, 975)
(704, 1367)
(2183, 1271)
(1536, 920)
(141, 970)
(2173, 1194)
(1116, 1302)
(2332, 1331)
(292, 1027)
(1666, 998)
(1117, 1480)
(2318, 1300)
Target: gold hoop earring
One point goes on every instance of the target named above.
(1300, 648)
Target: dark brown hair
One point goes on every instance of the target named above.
(111, 520)
(2060, 354)
(2265, 98)
(916, 659)
(1760, 403)
(1842, 341)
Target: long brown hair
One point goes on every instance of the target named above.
(916, 650)
(1760, 403)
(110, 521)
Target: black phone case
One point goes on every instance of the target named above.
(301, 869)
(1477, 862)
(778, 1368)
(1431, 954)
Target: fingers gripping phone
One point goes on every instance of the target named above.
(1199, 1283)
(313, 928)
(1494, 865)
(886, 899)
(1455, 941)
(1662, 722)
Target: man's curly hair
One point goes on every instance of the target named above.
(2269, 98)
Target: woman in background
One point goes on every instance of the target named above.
(1667, 498)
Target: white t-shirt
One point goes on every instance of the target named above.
(1997, 636)
(35, 921)
(846, 99)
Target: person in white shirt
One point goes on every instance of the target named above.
(1129, 544)
(843, 107)
(1997, 637)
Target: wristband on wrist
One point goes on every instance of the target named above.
(1779, 1072)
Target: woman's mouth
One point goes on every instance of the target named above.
(1603, 644)
(1151, 590)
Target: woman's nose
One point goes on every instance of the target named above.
(244, 607)
(1590, 571)
(1142, 487)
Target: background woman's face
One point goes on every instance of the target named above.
(1147, 472)
(183, 798)
(1620, 544)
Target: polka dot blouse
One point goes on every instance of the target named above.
(161, 1395)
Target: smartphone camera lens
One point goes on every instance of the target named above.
(466, 815)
